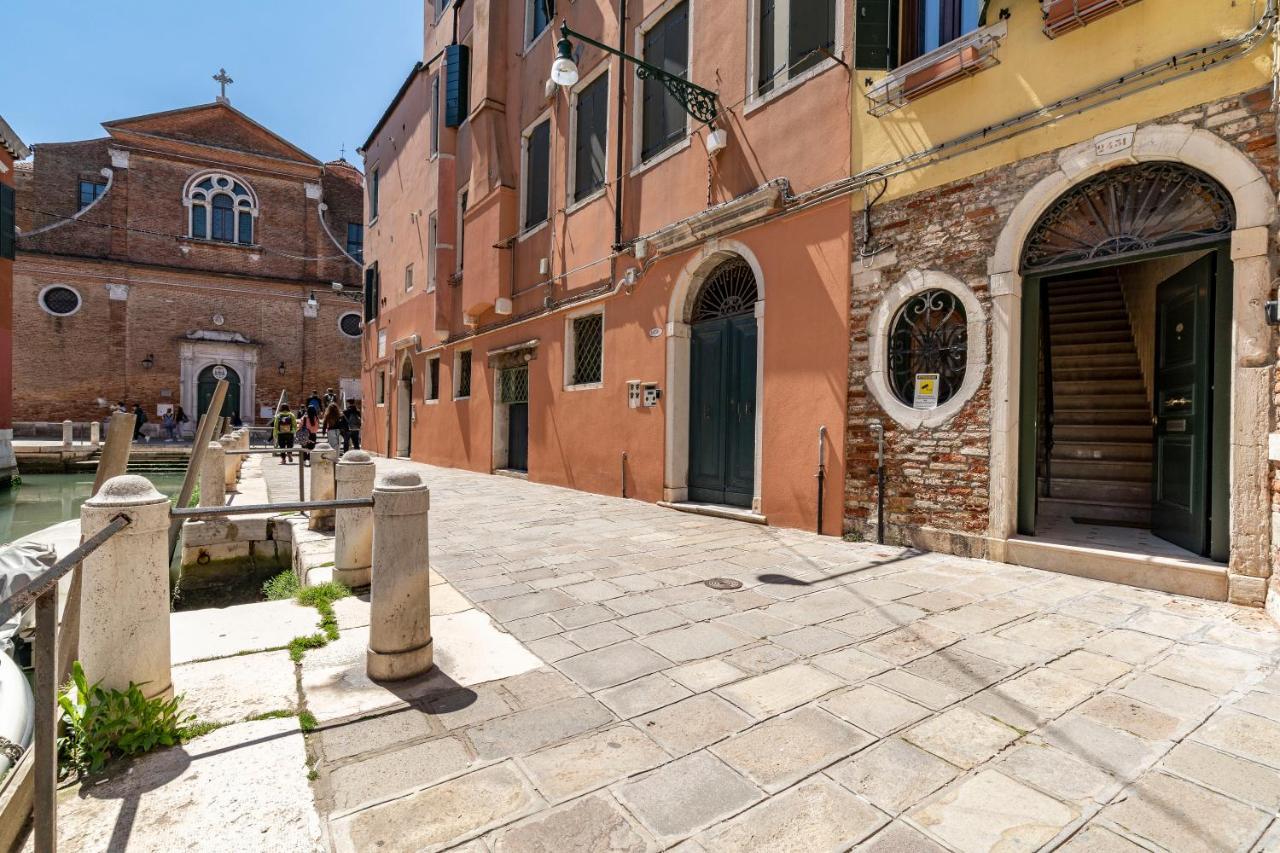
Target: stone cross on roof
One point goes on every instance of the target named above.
(222, 78)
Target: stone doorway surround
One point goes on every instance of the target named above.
(675, 478)
(205, 348)
(1252, 364)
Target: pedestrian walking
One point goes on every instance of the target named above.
(140, 418)
(352, 415)
(180, 421)
(313, 402)
(308, 433)
(283, 427)
(168, 424)
(329, 397)
(329, 422)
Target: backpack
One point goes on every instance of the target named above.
(285, 422)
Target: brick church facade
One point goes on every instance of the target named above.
(183, 247)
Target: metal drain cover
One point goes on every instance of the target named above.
(724, 583)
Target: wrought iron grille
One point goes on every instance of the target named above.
(929, 335)
(61, 300)
(350, 324)
(464, 374)
(588, 349)
(1128, 210)
(730, 290)
(513, 384)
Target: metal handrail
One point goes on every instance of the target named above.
(46, 580)
(289, 506)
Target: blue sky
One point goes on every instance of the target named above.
(317, 72)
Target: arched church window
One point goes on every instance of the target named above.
(222, 208)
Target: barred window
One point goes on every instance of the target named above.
(462, 387)
(513, 385)
(588, 349)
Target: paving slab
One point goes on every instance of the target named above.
(815, 815)
(1237, 777)
(875, 710)
(612, 665)
(249, 781)
(694, 642)
(382, 776)
(387, 730)
(1057, 773)
(780, 690)
(595, 824)
(962, 737)
(525, 731)
(592, 760)
(898, 837)
(687, 795)
(1246, 735)
(693, 723)
(781, 751)
(990, 811)
(642, 695)
(893, 774)
(228, 690)
(705, 674)
(1157, 807)
(222, 632)
(461, 808)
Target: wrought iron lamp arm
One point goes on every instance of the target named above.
(698, 102)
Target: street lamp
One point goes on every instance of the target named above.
(698, 102)
(148, 362)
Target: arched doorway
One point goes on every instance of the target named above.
(207, 381)
(1125, 393)
(722, 387)
(404, 409)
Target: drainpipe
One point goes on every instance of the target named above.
(624, 473)
(617, 171)
(822, 472)
(877, 430)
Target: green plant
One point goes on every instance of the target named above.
(280, 587)
(101, 724)
(298, 645)
(307, 721)
(195, 730)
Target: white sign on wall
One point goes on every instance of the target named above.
(219, 371)
(926, 396)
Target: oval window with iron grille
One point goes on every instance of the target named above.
(59, 300)
(929, 335)
(349, 323)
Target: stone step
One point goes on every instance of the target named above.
(1101, 470)
(1120, 451)
(1135, 513)
(1099, 490)
(1100, 348)
(1092, 296)
(1064, 325)
(1080, 313)
(1064, 387)
(1099, 400)
(1091, 336)
(1127, 373)
(1101, 417)
(1067, 432)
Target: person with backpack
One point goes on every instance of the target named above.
(352, 437)
(283, 427)
(308, 434)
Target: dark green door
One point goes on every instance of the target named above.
(208, 381)
(514, 392)
(722, 406)
(1183, 363)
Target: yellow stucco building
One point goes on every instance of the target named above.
(1064, 219)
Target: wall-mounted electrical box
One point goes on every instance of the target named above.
(634, 393)
(652, 394)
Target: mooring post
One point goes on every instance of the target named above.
(230, 462)
(67, 428)
(323, 460)
(95, 433)
(353, 528)
(124, 623)
(213, 475)
(400, 592)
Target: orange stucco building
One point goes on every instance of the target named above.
(585, 285)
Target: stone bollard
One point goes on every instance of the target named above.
(67, 433)
(230, 462)
(400, 595)
(322, 487)
(213, 488)
(95, 433)
(124, 621)
(353, 528)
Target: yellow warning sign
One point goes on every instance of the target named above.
(926, 396)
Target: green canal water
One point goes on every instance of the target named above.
(45, 499)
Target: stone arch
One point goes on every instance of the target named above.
(684, 295)
(1255, 206)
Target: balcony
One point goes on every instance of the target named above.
(954, 61)
(1063, 16)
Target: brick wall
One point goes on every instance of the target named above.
(939, 478)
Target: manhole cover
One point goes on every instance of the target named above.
(724, 583)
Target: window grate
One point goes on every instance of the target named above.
(513, 384)
(61, 300)
(350, 324)
(464, 374)
(930, 334)
(588, 349)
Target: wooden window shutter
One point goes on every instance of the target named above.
(875, 34)
(457, 75)
(8, 222)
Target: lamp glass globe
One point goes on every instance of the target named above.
(564, 72)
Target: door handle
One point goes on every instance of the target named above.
(1178, 401)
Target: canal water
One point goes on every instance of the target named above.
(44, 499)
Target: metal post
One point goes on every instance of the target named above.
(45, 748)
(822, 471)
(877, 430)
(302, 485)
(400, 644)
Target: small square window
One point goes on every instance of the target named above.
(587, 349)
(90, 191)
(462, 375)
(408, 278)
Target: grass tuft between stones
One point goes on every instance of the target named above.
(321, 597)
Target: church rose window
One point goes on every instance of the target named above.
(61, 301)
(222, 209)
(929, 335)
(349, 323)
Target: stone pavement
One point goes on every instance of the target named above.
(845, 696)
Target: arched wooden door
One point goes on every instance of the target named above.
(208, 381)
(722, 388)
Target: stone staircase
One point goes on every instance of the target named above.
(1101, 458)
(147, 461)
